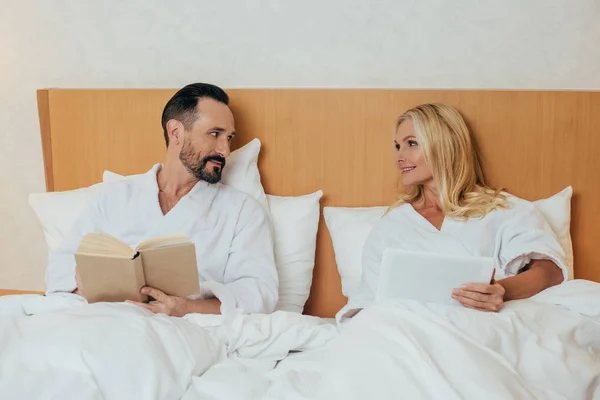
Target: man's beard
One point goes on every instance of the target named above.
(197, 167)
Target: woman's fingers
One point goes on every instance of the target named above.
(473, 295)
(466, 301)
(478, 301)
(477, 305)
(479, 287)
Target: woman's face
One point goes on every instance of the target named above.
(409, 156)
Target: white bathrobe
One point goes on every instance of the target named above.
(231, 231)
(512, 237)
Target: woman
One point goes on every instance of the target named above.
(448, 208)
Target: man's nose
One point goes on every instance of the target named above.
(223, 148)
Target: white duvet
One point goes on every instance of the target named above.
(71, 350)
(547, 347)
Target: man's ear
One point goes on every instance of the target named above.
(175, 131)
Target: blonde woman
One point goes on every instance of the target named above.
(448, 208)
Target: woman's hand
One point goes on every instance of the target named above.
(163, 303)
(481, 296)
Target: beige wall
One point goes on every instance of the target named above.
(536, 44)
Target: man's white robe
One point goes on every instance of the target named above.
(231, 231)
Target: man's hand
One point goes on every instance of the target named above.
(163, 303)
(481, 296)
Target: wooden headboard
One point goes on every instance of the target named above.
(534, 144)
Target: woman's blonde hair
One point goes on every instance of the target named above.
(450, 153)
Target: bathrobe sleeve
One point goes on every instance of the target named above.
(60, 271)
(250, 280)
(524, 236)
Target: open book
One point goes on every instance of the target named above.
(110, 270)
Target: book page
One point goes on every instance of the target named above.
(164, 241)
(104, 244)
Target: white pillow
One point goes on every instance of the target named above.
(241, 172)
(58, 211)
(350, 227)
(556, 210)
(295, 222)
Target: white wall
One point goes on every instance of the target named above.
(534, 44)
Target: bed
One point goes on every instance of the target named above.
(535, 144)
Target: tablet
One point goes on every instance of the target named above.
(429, 277)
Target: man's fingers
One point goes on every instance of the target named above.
(155, 308)
(137, 303)
(155, 293)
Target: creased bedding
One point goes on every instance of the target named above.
(65, 349)
(104, 351)
(255, 343)
(546, 347)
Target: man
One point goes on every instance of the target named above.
(230, 230)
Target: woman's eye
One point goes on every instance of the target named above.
(215, 134)
(412, 143)
(397, 146)
(229, 138)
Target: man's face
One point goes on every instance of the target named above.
(206, 144)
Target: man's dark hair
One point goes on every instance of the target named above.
(182, 106)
